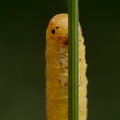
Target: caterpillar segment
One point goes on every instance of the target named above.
(57, 70)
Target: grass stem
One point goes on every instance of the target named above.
(73, 59)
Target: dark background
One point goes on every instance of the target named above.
(22, 60)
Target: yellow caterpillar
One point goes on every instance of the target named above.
(57, 70)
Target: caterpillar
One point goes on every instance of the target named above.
(57, 70)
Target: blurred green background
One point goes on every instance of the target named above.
(22, 60)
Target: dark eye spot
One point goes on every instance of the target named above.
(57, 27)
(53, 31)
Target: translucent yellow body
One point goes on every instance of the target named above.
(57, 70)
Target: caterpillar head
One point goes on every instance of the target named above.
(58, 28)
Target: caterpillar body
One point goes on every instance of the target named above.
(57, 70)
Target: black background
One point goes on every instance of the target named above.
(22, 60)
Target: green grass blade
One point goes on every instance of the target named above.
(73, 59)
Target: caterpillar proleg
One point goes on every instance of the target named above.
(57, 70)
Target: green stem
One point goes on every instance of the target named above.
(73, 59)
